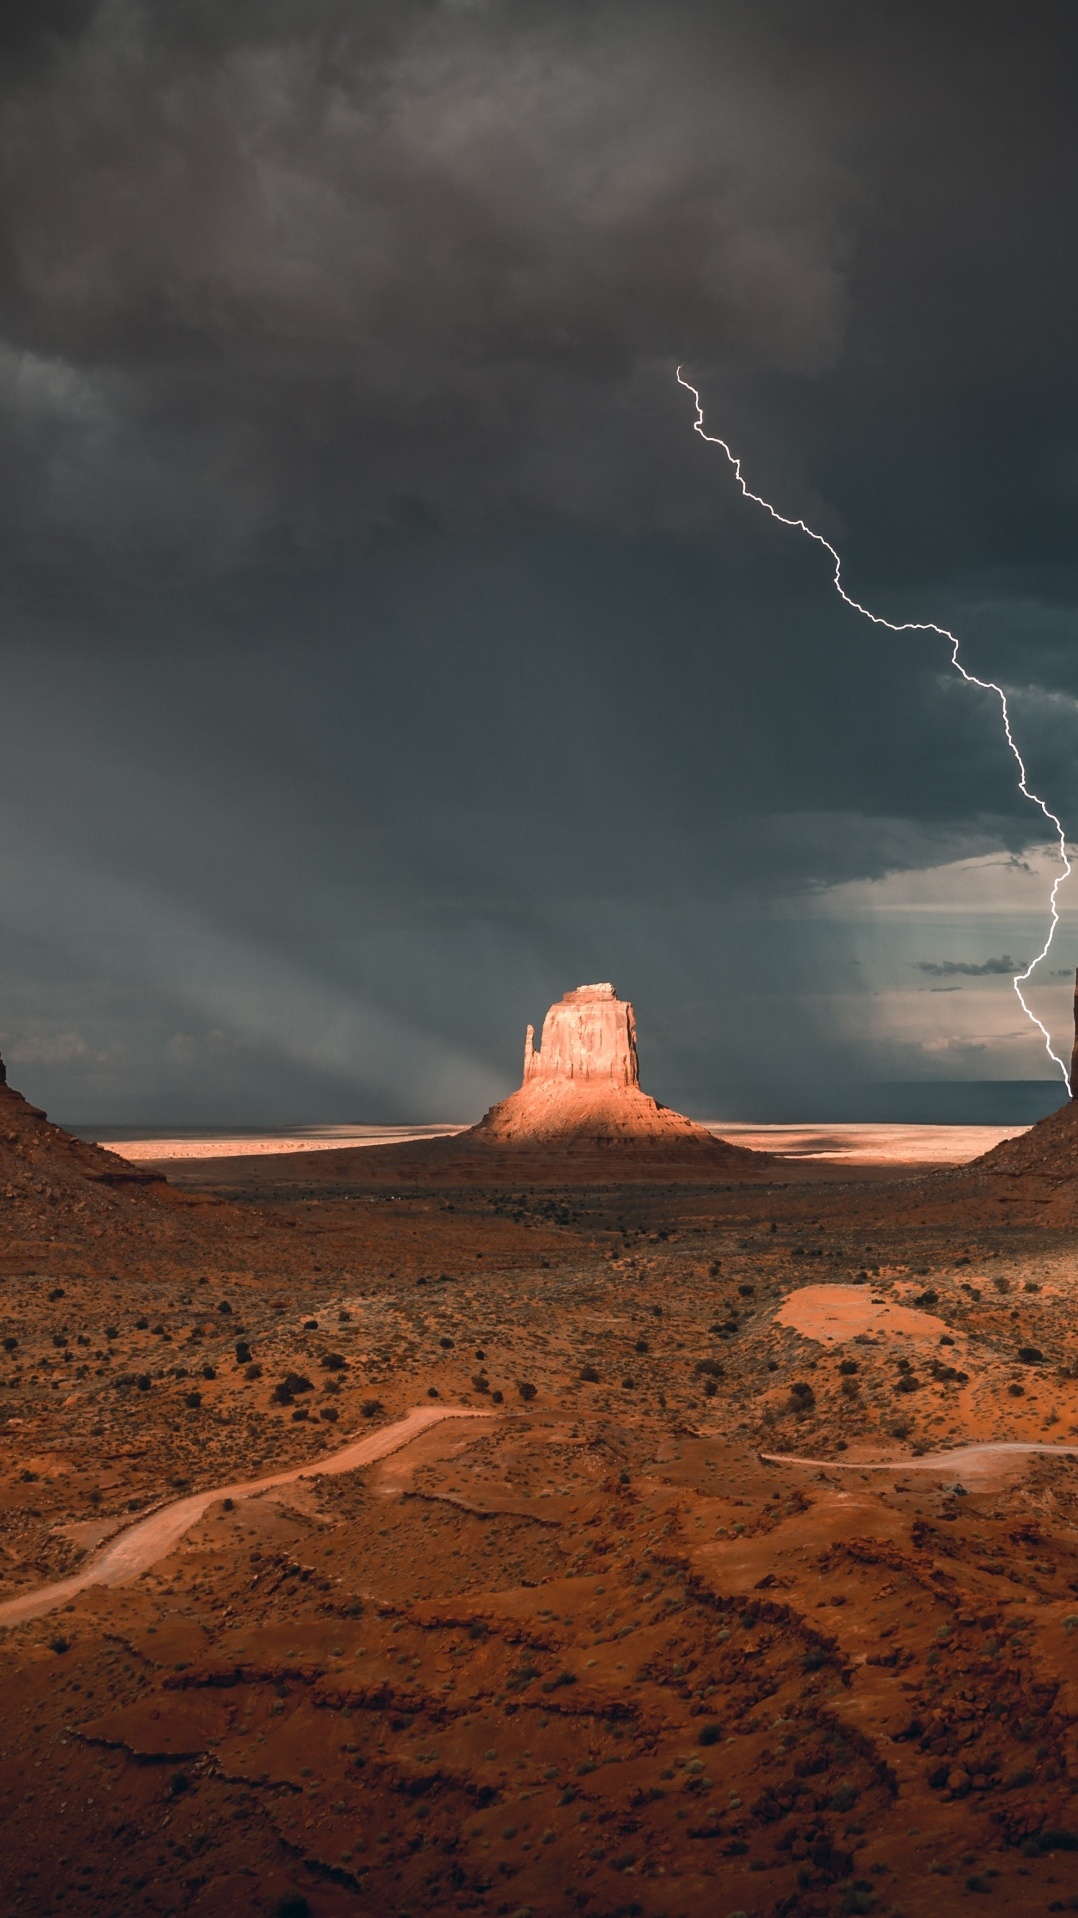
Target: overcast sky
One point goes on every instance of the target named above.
(381, 653)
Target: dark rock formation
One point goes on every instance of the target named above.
(1074, 1053)
(46, 1174)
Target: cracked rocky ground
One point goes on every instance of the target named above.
(594, 1651)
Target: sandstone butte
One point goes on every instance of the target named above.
(578, 1118)
(582, 1086)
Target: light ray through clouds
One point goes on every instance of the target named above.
(252, 992)
(986, 685)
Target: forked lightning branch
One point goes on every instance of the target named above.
(986, 685)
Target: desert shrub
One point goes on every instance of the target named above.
(433, 1392)
(1030, 1355)
(293, 1905)
(851, 1388)
(310, 1325)
(330, 1414)
(253, 1371)
(710, 1389)
(497, 1397)
(59, 1645)
(814, 1659)
(446, 1344)
(802, 1395)
(480, 1382)
(848, 1368)
(928, 1297)
(142, 1380)
(555, 1684)
(335, 1362)
(1046, 1841)
(856, 1898)
(709, 1734)
(10, 1344)
(295, 1382)
(641, 1346)
(709, 1368)
(908, 1383)
(209, 1371)
(589, 1375)
(178, 1784)
(243, 1352)
(526, 1389)
(192, 1400)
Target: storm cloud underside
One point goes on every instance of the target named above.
(381, 654)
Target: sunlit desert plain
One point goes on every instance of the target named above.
(485, 1523)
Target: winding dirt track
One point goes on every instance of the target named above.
(148, 1539)
(971, 1456)
(143, 1543)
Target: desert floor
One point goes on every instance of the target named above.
(685, 1617)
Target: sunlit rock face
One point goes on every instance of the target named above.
(583, 1082)
(588, 1037)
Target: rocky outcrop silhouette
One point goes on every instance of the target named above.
(47, 1176)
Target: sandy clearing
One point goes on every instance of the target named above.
(148, 1539)
(831, 1314)
(259, 1145)
(912, 1145)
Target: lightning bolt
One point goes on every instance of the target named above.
(986, 685)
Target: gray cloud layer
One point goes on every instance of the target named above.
(372, 620)
(303, 272)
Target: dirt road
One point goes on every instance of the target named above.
(973, 1458)
(141, 1544)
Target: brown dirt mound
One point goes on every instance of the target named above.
(43, 1168)
(1049, 1148)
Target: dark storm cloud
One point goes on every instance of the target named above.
(952, 968)
(308, 268)
(376, 630)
